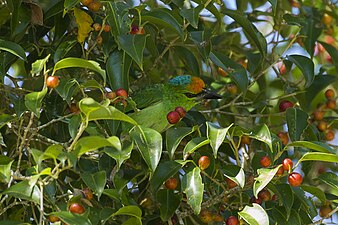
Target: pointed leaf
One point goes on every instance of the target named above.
(133, 221)
(117, 151)
(149, 142)
(33, 101)
(129, 210)
(314, 145)
(24, 190)
(163, 172)
(193, 145)
(169, 202)
(72, 218)
(319, 193)
(174, 136)
(237, 72)
(95, 181)
(263, 179)
(5, 168)
(297, 122)
(13, 48)
(286, 195)
(262, 133)
(193, 188)
(318, 156)
(38, 65)
(254, 215)
(216, 136)
(82, 63)
(235, 173)
(332, 51)
(330, 179)
(305, 65)
(192, 15)
(90, 143)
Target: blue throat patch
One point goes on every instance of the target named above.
(182, 80)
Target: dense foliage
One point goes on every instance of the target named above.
(71, 153)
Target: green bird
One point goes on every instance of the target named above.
(156, 101)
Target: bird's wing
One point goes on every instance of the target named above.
(148, 96)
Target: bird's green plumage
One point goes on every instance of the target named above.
(156, 101)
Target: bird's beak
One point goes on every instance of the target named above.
(208, 94)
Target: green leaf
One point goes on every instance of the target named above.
(235, 173)
(129, 210)
(237, 72)
(319, 193)
(10, 222)
(163, 17)
(5, 118)
(82, 63)
(274, 6)
(118, 66)
(52, 152)
(330, 179)
(318, 156)
(189, 59)
(163, 172)
(332, 51)
(216, 136)
(294, 218)
(134, 46)
(254, 215)
(25, 190)
(72, 218)
(74, 124)
(118, 151)
(286, 195)
(296, 120)
(5, 168)
(133, 221)
(192, 15)
(250, 30)
(263, 179)
(305, 65)
(95, 181)
(193, 187)
(193, 145)
(149, 142)
(174, 136)
(169, 202)
(96, 111)
(33, 101)
(38, 65)
(13, 48)
(118, 17)
(314, 145)
(90, 143)
(262, 133)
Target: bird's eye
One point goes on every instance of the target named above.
(190, 95)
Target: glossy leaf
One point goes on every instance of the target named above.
(5, 118)
(165, 18)
(254, 215)
(119, 152)
(262, 133)
(118, 66)
(133, 221)
(297, 122)
(72, 218)
(33, 101)
(287, 197)
(250, 30)
(169, 202)
(330, 179)
(238, 75)
(216, 136)
(95, 181)
(13, 48)
(305, 65)
(318, 156)
(38, 65)
(332, 51)
(193, 187)
(26, 190)
(5, 168)
(174, 136)
(263, 179)
(129, 210)
(96, 111)
(193, 145)
(294, 218)
(82, 63)
(163, 172)
(134, 46)
(90, 143)
(314, 145)
(149, 143)
(189, 59)
(235, 173)
(192, 15)
(319, 193)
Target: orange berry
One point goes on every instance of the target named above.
(318, 115)
(76, 208)
(325, 210)
(230, 183)
(52, 81)
(171, 183)
(280, 171)
(265, 195)
(265, 161)
(283, 136)
(295, 179)
(327, 19)
(282, 69)
(205, 216)
(74, 108)
(204, 162)
(329, 135)
(232, 220)
(99, 40)
(245, 140)
(106, 28)
(222, 72)
(121, 92)
(97, 26)
(322, 125)
(287, 164)
(329, 94)
(232, 89)
(53, 218)
(86, 2)
(88, 193)
(331, 104)
(94, 6)
(295, 3)
(111, 95)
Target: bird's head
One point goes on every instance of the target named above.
(193, 86)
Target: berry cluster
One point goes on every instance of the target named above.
(118, 96)
(175, 116)
(93, 5)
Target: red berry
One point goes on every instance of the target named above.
(106, 28)
(264, 195)
(287, 164)
(173, 117)
(171, 183)
(181, 111)
(265, 161)
(136, 30)
(329, 93)
(283, 136)
(52, 81)
(76, 208)
(282, 69)
(122, 93)
(204, 162)
(329, 135)
(232, 220)
(230, 183)
(325, 210)
(256, 200)
(280, 171)
(283, 105)
(331, 104)
(88, 193)
(295, 179)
